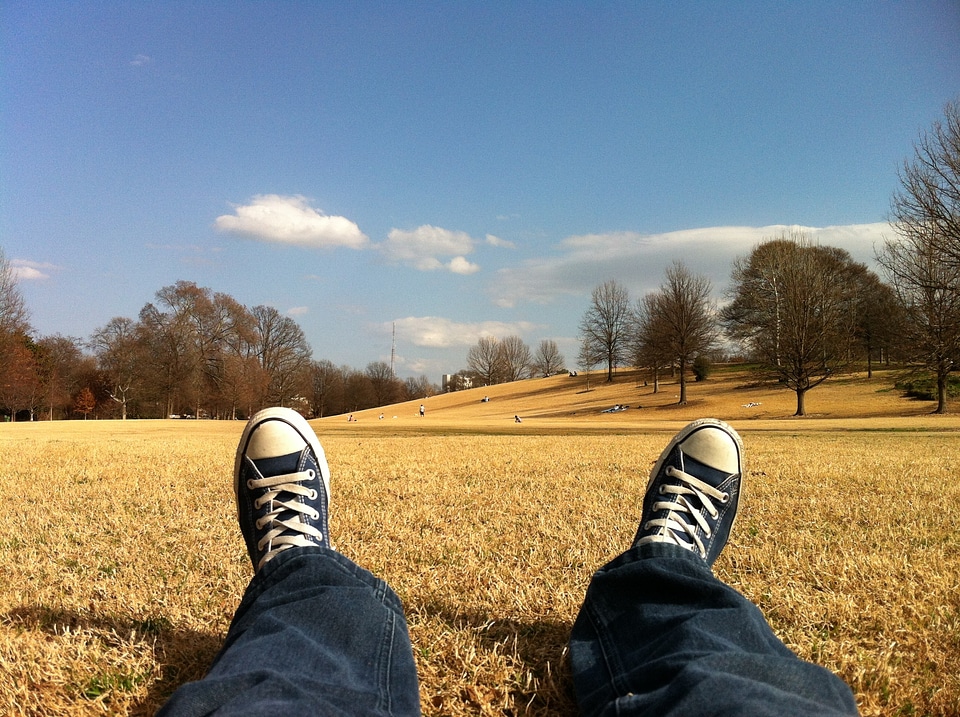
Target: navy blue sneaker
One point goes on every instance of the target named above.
(694, 490)
(282, 484)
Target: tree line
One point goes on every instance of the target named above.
(192, 352)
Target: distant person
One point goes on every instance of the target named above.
(658, 633)
(516, 419)
(422, 410)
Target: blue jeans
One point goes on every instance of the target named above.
(314, 635)
(658, 634)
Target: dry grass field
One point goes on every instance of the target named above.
(120, 561)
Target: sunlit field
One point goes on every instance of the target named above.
(121, 563)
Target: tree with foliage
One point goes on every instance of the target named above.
(792, 303)
(604, 328)
(85, 402)
(59, 360)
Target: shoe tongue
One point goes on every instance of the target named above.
(702, 471)
(278, 465)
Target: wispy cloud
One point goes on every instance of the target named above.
(497, 241)
(427, 247)
(439, 332)
(297, 311)
(291, 220)
(639, 260)
(141, 60)
(26, 270)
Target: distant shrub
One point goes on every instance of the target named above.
(924, 388)
(701, 368)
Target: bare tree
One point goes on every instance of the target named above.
(283, 351)
(923, 261)
(926, 207)
(928, 288)
(515, 358)
(13, 310)
(792, 303)
(118, 351)
(650, 345)
(548, 360)
(385, 386)
(686, 316)
(325, 392)
(604, 328)
(485, 360)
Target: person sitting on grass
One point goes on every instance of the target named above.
(658, 633)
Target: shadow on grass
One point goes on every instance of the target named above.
(182, 655)
(540, 646)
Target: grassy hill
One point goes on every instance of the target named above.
(568, 404)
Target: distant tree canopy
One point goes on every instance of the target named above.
(191, 351)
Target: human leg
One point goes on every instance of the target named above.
(658, 634)
(314, 633)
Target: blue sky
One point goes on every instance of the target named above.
(456, 169)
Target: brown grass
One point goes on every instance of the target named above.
(120, 562)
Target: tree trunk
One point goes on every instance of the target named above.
(683, 383)
(801, 402)
(941, 394)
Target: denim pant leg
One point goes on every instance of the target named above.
(658, 634)
(314, 634)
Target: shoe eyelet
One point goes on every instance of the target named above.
(725, 498)
(312, 495)
(259, 524)
(249, 483)
(257, 504)
(316, 515)
(312, 474)
(661, 490)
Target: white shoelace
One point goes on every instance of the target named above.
(284, 534)
(672, 526)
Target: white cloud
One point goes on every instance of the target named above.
(25, 270)
(422, 248)
(141, 60)
(639, 260)
(291, 220)
(497, 241)
(438, 332)
(459, 265)
(297, 311)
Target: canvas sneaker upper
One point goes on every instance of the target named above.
(282, 485)
(694, 490)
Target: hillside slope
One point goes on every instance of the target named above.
(732, 394)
